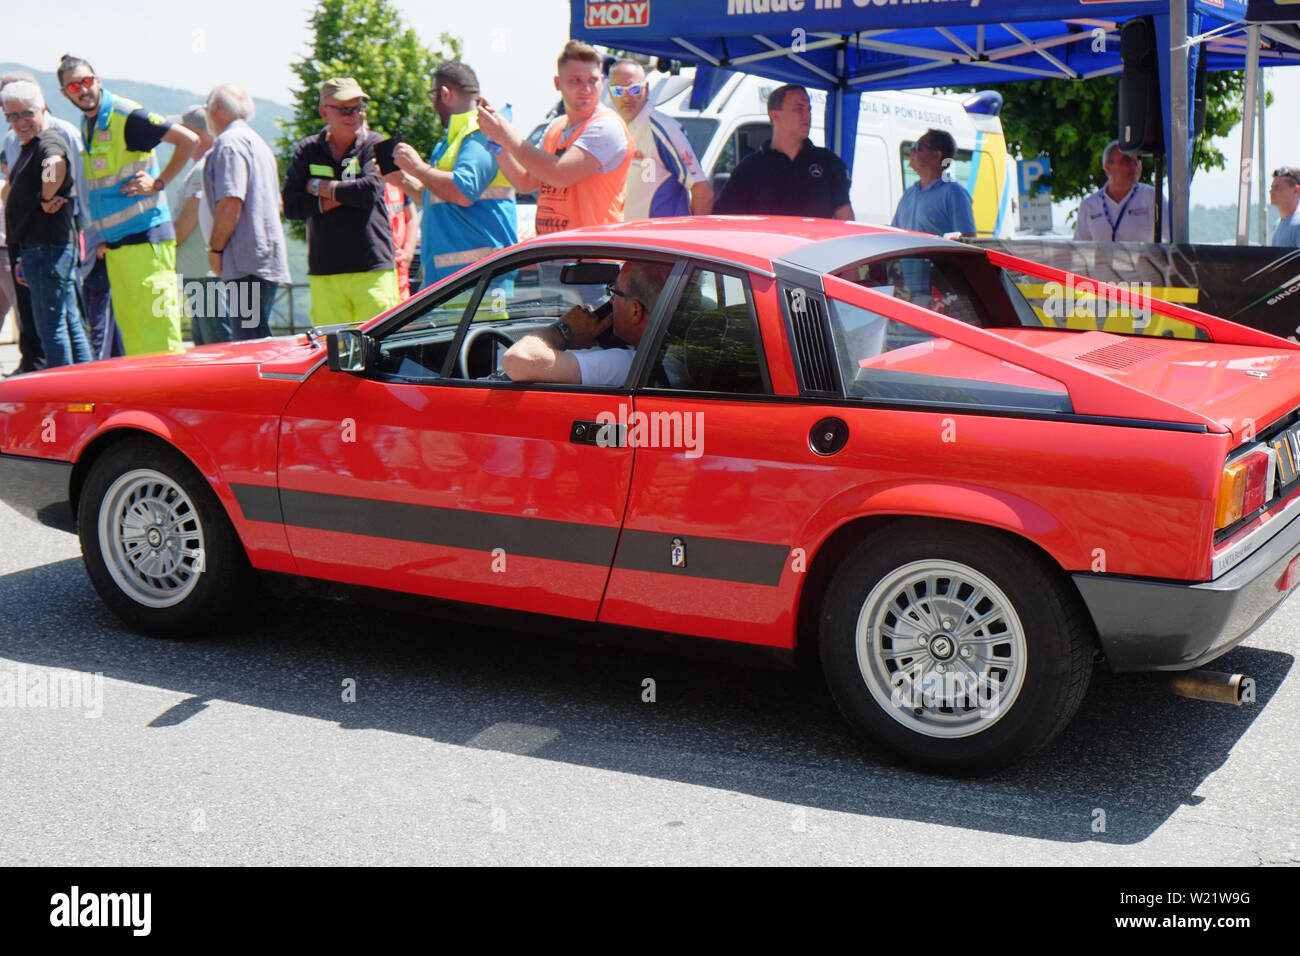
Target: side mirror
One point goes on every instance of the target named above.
(348, 350)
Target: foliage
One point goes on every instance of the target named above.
(368, 40)
(1072, 121)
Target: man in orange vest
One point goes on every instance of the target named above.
(580, 171)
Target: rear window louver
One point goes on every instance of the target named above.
(810, 333)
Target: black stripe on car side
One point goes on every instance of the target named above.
(450, 527)
(717, 558)
(746, 562)
(258, 502)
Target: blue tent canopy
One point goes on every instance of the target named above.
(848, 47)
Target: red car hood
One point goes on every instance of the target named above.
(1243, 387)
(258, 351)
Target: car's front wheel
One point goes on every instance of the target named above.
(956, 648)
(156, 543)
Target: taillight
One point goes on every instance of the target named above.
(1245, 486)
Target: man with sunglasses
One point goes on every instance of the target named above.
(934, 204)
(1284, 193)
(566, 352)
(333, 182)
(128, 206)
(665, 178)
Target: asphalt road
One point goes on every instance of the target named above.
(473, 746)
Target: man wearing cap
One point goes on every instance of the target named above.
(468, 205)
(333, 182)
(128, 206)
(1285, 194)
(1124, 209)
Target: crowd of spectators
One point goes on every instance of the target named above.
(102, 261)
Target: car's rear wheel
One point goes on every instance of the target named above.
(157, 545)
(953, 647)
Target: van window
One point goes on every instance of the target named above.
(871, 202)
(699, 131)
(743, 141)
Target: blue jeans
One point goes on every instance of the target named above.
(250, 316)
(207, 326)
(50, 270)
(97, 305)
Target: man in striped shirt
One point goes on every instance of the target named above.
(665, 178)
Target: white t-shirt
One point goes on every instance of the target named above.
(604, 366)
(1132, 219)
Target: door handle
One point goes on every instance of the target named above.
(601, 434)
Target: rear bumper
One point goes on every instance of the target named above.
(1161, 625)
(38, 488)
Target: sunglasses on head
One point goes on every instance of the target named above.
(347, 110)
(15, 117)
(78, 86)
(632, 90)
(1287, 172)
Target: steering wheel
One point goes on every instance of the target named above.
(472, 341)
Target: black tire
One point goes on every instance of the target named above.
(191, 575)
(913, 698)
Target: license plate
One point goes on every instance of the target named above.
(1287, 446)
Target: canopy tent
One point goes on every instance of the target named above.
(850, 46)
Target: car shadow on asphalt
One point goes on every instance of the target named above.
(1135, 752)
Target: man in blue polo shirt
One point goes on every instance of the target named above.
(468, 205)
(788, 176)
(934, 205)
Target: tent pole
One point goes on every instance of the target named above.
(1179, 171)
(1262, 227)
(1247, 137)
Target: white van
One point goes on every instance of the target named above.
(734, 123)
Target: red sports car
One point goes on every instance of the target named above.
(939, 466)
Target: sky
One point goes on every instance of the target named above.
(512, 45)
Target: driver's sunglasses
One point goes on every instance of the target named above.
(347, 110)
(621, 91)
(77, 86)
(611, 291)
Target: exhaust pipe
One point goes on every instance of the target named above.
(1216, 687)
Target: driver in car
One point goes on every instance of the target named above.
(564, 353)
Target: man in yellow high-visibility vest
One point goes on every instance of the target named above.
(129, 208)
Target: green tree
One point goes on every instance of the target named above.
(1072, 121)
(368, 40)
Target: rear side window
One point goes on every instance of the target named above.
(711, 344)
(884, 360)
(1082, 305)
(933, 284)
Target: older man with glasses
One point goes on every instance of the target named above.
(333, 182)
(1284, 193)
(39, 223)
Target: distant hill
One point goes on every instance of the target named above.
(160, 99)
(1218, 224)
(172, 103)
